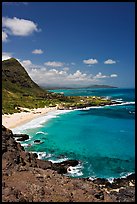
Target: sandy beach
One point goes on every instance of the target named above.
(17, 119)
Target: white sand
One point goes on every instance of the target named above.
(17, 119)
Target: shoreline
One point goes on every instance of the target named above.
(22, 118)
(17, 119)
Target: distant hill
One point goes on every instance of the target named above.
(101, 86)
(78, 87)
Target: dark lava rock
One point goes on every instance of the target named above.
(62, 167)
(131, 177)
(23, 137)
(69, 163)
(100, 195)
(33, 155)
(4, 148)
(101, 181)
(6, 131)
(37, 141)
(59, 169)
(120, 182)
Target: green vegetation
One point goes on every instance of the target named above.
(18, 90)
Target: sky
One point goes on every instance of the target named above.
(72, 43)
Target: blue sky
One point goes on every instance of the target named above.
(72, 43)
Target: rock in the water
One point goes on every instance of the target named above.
(37, 141)
(69, 163)
(22, 137)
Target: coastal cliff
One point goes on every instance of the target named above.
(25, 178)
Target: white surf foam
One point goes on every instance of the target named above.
(25, 145)
(58, 160)
(122, 175)
(125, 175)
(38, 122)
(92, 178)
(75, 171)
(43, 155)
(111, 179)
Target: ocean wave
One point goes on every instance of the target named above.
(40, 132)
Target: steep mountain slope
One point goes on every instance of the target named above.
(15, 78)
(18, 89)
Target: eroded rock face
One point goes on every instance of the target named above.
(25, 178)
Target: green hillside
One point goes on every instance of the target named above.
(18, 89)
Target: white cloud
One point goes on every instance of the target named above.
(18, 27)
(113, 75)
(6, 55)
(63, 76)
(4, 36)
(54, 64)
(100, 76)
(37, 51)
(26, 63)
(90, 61)
(73, 63)
(110, 61)
(66, 68)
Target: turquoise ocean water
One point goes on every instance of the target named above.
(101, 138)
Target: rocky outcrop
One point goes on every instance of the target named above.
(25, 178)
(62, 167)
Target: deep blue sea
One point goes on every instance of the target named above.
(101, 138)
